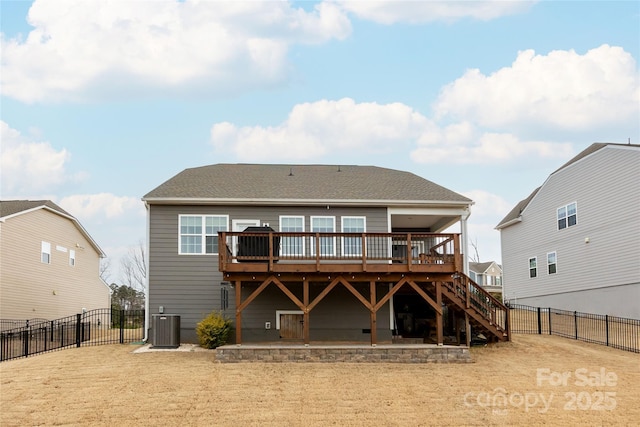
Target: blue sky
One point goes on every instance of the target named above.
(102, 101)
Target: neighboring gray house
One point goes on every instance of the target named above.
(574, 243)
(313, 252)
(488, 275)
(49, 264)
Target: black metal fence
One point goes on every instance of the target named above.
(612, 331)
(95, 327)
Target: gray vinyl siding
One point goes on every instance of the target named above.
(606, 188)
(339, 316)
(189, 285)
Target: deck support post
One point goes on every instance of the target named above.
(374, 325)
(467, 326)
(238, 312)
(439, 323)
(305, 316)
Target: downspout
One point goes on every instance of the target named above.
(146, 285)
(464, 240)
(392, 323)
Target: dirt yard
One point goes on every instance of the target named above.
(534, 380)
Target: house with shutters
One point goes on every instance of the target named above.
(315, 253)
(574, 242)
(49, 264)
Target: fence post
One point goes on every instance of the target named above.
(539, 323)
(78, 338)
(25, 338)
(575, 320)
(550, 333)
(606, 324)
(121, 326)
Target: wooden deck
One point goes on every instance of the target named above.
(429, 265)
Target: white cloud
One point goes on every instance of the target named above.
(80, 49)
(487, 205)
(323, 127)
(463, 143)
(414, 12)
(102, 206)
(28, 167)
(561, 90)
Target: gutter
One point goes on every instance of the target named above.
(303, 202)
(509, 223)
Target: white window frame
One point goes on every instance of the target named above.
(555, 263)
(312, 244)
(283, 239)
(45, 250)
(72, 257)
(364, 230)
(566, 216)
(535, 267)
(203, 233)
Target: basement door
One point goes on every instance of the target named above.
(291, 326)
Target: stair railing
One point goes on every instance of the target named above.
(476, 297)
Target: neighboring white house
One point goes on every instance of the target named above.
(574, 243)
(49, 264)
(488, 275)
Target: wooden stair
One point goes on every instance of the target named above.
(486, 313)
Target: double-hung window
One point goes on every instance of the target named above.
(45, 253)
(199, 233)
(292, 245)
(552, 263)
(567, 216)
(533, 267)
(327, 244)
(352, 245)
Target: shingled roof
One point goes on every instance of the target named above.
(301, 183)
(517, 210)
(11, 207)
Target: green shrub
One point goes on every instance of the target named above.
(214, 330)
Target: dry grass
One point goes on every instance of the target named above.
(110, 385)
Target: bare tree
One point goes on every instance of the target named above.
(475, 256)
(133, 267)
(105, 269)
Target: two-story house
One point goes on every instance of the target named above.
(488, 275)
(574, 243)
(49, 264)
(313, 253)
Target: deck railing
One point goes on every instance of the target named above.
(380, 248)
